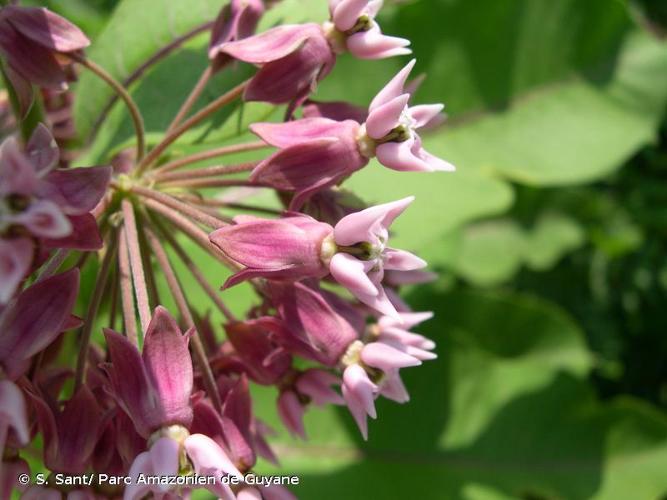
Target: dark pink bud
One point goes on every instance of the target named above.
(336, 110)
(316, 384)
(283, 249)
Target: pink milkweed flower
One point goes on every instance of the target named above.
(171, 448)
(353, 27)
(308, 323)
(310, 386)
(265, 492)
(237, 20)
(371, 365)
(42, 202)
(362, 255)
(315, 153)
(32, 41)
(318, 152)
(390, 129)
(281, 249)
(292, 59)
(154, 387)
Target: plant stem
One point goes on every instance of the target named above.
(182, 304)
(127, 298)
(211, 183)
(200, 115)
(136, 264)
(192, 98)
(211, 153)
(214, 171)
(135, 114)
(155, 58)
(208, 202)
(191, 230)
(176, 204)
(93, 307)
(195, 271)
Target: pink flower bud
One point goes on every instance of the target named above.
(291, 413)
(236, 21)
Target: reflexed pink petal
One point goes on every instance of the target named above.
(79, 429)
(40, 493)
(356, 227)
(17, 175)
(420, 354)
(15, 259)
(23, 89)
(402, 260)
(44, 219)
(274, 244)
(346, 13)
(372, 44)
(85, 235)
(291, 413)
(36, 318)
(424, 113)
(249, 494)
(42, 149)
(294, 77)
(316, 384)
(76, 190)
(271, 45)
(9, 474)
(351, 273)
(13, 411)
(277, 492)
(434, 162)
(47, 28)
(31, 60)
(335, 110)
(316, 163)
(385, 357)
(287, 134)
(398, 278)
(169, 366)
(131, 384)
(207, 456)
(236, 21)
(394, 88)
(386, 117)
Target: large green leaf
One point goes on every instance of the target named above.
(505, 412)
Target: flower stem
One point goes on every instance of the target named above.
(135, 114)
(212, 183)
(127, 299)
(184, 309)
(191, 230)
(211, 153)
(93, 307)
(155, 58)
(192, 98)
(136, 264)
(187, 209)
(217, 170)
(199, 116)
(195, 271)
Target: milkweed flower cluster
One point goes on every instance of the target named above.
(167, 393)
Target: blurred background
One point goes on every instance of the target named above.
(550, 241)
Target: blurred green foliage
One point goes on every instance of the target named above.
(550, 239)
